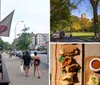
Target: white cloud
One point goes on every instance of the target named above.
(34, 13)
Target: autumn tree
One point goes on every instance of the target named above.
(85, 24)
(75, 24)
(95, 5)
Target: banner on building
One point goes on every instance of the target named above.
(5, 25)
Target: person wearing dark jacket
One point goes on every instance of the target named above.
(27, 60)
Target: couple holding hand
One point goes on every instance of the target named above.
(29, 61)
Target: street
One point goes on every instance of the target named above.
(18, 78)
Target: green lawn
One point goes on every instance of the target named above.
(87, 36)
(82, 34)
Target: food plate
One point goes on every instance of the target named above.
(56, 71)
(88, 71)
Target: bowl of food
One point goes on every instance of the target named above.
(95, 64)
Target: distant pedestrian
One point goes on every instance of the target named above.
(63, 33)
(36, 62)
(23, 53)
(10, 54)
(27, 60)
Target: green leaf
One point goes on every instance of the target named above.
(61, 59)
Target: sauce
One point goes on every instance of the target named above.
(96, 64)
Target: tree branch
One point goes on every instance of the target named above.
(97, 2)
(92, 3)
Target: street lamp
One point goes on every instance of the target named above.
(16, 26)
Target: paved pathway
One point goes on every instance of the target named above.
(18, 78)
(67, 39)
(74, 39)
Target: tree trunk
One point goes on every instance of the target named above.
(94, 4)
(95, 15)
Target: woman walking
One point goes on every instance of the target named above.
(36, 61)
(10, 55)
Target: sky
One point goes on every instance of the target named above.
(84, 7)
(34, 13)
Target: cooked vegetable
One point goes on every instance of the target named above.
(67, 61)
(69, 50)
(72, 68)
(93, 80)
(67, 79)
(69, 65)
(61, 59)
(64, 71)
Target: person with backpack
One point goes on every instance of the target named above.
(36, 62)
(27, 61)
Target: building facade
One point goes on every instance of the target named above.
(32, 45)
(39, 38)
(83, 16)
(46, 37)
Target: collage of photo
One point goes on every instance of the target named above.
(49, 42)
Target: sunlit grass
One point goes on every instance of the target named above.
(82, 34)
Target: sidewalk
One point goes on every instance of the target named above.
(18, 78)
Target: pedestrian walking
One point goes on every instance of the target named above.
(27, 60)
(63, 33)
(36, 62)
(10, 54)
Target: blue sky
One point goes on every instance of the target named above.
(34, 13)
(84, 7)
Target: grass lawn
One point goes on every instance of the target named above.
(82, 34)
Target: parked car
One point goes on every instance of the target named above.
(43, 52)
(11, 52)
(31, 53)
(59, 34)
(19, 54)
(55, 35)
